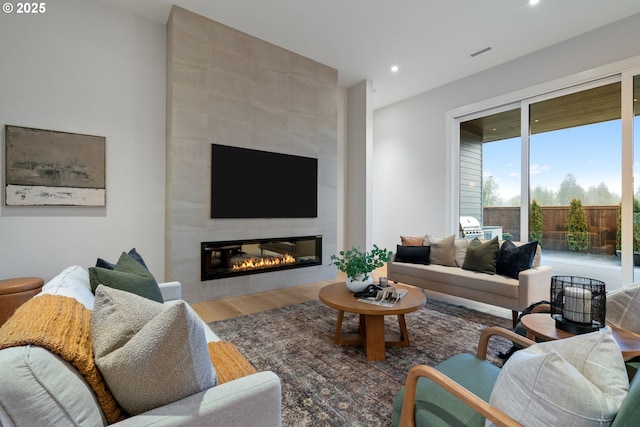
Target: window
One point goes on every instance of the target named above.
(490, 171)
(549, 151)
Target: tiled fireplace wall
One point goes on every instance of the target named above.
(227, 87)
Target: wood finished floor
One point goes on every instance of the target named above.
(227, 308)
(211, 311)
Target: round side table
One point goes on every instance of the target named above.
(543, 326)
(15, 292)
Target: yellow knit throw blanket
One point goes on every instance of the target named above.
(63, 326)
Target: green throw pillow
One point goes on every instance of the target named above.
(128, 275)
(481, 257)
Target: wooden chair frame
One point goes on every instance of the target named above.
(483, 408)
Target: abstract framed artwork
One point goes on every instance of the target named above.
(50, 168)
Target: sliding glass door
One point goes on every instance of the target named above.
(575, 145)
(558, 169)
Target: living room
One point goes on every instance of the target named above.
(91, 68)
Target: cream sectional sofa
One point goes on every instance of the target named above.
(40, 388)
(532, 284)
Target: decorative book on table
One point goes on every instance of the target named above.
(388, 297)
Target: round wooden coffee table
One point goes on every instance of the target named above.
(543, 326)
(371, 328)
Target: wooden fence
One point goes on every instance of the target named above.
(603, 225)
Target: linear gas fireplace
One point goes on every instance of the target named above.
(251, 256)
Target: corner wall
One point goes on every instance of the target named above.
(359, 154)
(227, 87)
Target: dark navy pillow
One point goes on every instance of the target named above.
(134, 254)
(512, 259)
(413, 254)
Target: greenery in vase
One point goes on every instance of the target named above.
(354, 262)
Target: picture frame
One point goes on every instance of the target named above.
(52, 168)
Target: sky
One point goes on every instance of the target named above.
(591, 153)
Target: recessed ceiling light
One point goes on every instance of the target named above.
(394, 68)
(534, 2)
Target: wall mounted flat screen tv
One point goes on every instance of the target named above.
(248, 183)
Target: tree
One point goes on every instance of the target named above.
(535, 223)
(600, 195)
(577, 227)
(514, 201)
(490, 193)
(544, 196)
(569, 190)
(636, 226)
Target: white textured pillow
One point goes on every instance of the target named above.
(442, 250)
(623, 308)
(149, 354)
(460, 249)
(575, 381)
(72, 282)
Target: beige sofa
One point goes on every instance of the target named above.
(39, 387)
(532, 284)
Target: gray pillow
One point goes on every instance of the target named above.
(460, 248)
(442, 250)
(40, 388)
(149, 354)
(623, 308)
(579, 381)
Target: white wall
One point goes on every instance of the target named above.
(88, 68)
(410, 153)
(359, 155)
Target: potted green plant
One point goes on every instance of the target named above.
(535, 222)
(357, 265)
(577, 227)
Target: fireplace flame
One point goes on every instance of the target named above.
(263, 262)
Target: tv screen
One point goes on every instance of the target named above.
(249, 183)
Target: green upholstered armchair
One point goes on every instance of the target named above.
(456, 392)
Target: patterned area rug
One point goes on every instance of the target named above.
(328, 385)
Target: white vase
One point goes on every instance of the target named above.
(358, 285)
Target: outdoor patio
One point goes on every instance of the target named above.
(600, 267)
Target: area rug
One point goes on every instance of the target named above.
(328, 385)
